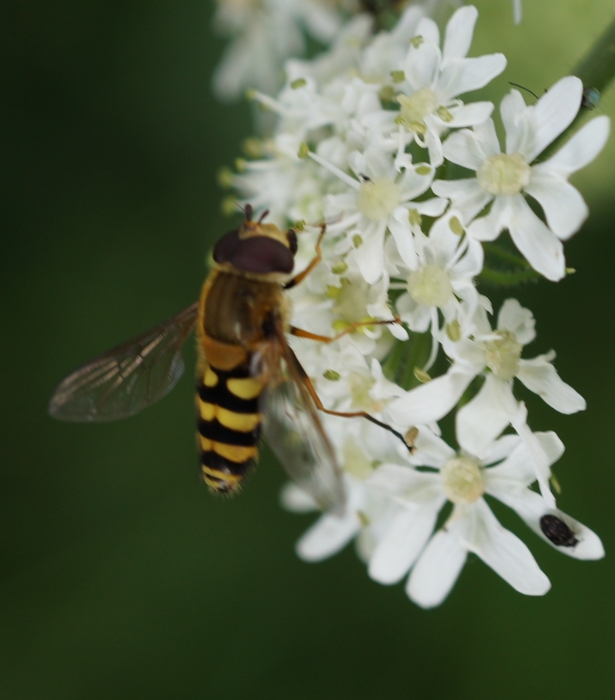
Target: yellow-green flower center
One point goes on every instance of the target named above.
(504, 174)
(463, 480)
(378, 198)
(430, 286)
(415, 108)
(503, 355)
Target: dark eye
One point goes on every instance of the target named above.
(292, 240)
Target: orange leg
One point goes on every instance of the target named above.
(307, 382)
(317, 258)
(300, 333)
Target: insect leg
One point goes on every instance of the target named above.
(300, 333)
(307, 382)
(315, 260)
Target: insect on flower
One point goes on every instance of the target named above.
(248, 377)
(556, 530)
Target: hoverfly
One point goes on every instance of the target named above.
(248, 377)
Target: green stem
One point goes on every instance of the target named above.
(596, 69)
(507, 279)
(419, 352)
(505, 255)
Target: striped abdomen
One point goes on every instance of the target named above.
(229, 425)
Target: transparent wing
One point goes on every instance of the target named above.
(295, 434)
(128, 378)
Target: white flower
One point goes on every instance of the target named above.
(463, 479)
(503, 178)
(288, 187)
(431, 80)
(265, 33)
(381, 199)
(497, 354)
(368, 511)
(443, 279)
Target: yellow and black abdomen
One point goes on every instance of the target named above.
(237, 317)
(229, 425)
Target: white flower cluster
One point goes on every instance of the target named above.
(367, 138)
(265, 33)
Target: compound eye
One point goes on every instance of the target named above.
(226, 247)
(292, 240)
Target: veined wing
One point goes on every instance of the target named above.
(128, 378)
(295, 434)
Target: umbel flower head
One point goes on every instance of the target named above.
(362, 133)
(503, 179)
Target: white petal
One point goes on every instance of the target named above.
(296, 500)
(467, 74)
(428, 29)
(537, 243)
(327, 536)
(431, 401)
(512, 108)
(530, 506)
(504, 552)
(502, 448)
(581, 149)
(402, 543)
(437, 569)
(459, 31)
(432, 450)
(517, 319)
(563, 205)
(553, 113)
(541, 377)
(462, 148)
(423, 65)
(518, 467)
(406, 484)
(370, 254)
(399, 226)
(489, 227)
(517, 11)
(467, 196)
(429, 207)
(482, 419)
(432, 140)
(417, 316)
(470, 115)
(537, 452)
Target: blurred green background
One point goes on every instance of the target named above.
(121, 577)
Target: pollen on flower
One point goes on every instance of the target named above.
(503, 354)
(504, 174)
(416, 108)
(456, 226)
(430, 286)
(378, 198)
(453, 330)
(462, 480)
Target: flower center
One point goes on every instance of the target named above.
(463, 480)
(430, 286)
(350, 300)
(415, 108)
(359, 386)
(503, 355)
(355, 461)
(378, 198)
(504, 174)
